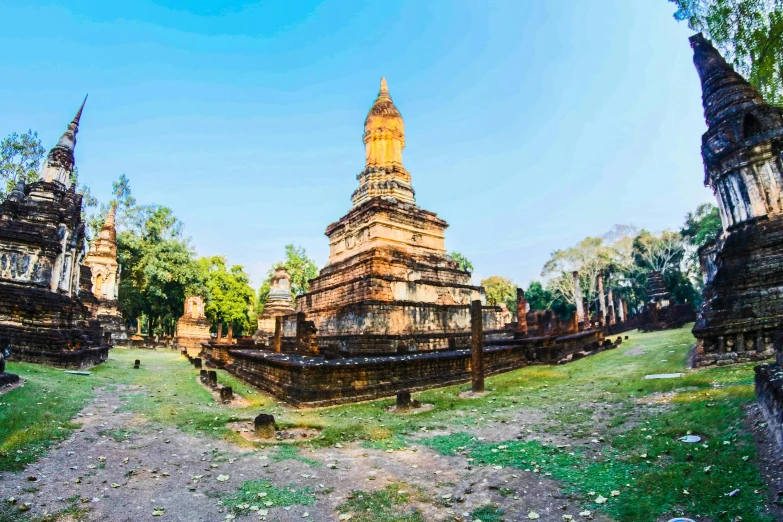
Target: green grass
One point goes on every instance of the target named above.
(488, 514)
(261, 494)
(604, 394)
(386, 505)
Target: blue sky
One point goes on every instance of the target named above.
(529, 125)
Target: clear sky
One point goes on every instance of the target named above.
(529, 124)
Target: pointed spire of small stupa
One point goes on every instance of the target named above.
(60, 160)
(383, 94)
(79, 112)
(110, 217)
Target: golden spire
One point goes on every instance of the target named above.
(384, 138)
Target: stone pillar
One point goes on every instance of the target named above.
(300, 320)
(230, 333)
(477, 338)
(212, 378)
(278, 334)
(575, 322)
(226, 394)
(403, 400)
(138, 326)
(521, 313)
(587, 320)
(578, 298)
(610, 312)
(219, 332)
(601, 300)
(264, 426)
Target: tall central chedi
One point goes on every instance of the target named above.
(389, 286)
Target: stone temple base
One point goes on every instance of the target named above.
(742, 316)
(769, 393)
(316, 381)
(48, 328)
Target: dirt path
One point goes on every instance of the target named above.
(118, 467)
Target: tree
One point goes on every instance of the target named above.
(658, 253)
(157, 267)
(749, 34)
(20, 160)
(229, 295)
(590, 258)
(462, 261)
(539, 298)
(701, 227)
(500, 290)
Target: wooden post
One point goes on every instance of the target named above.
(477, 337)
(278, 333)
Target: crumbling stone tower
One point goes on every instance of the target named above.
(742, 315)
(41, 246)
(105, 280)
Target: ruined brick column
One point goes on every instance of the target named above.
(521, 313)
(278, 333)
(580, 312)
(300, 319)
(477, 337)
(610, 314)
(601, 301)
(219, 332)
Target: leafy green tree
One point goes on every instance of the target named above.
(462, 261)
(157, 267)
(659, 253)
(539, 298)
(749, 33)
(229, 295)
(263, 294)
(20, 160)
(301, 269)
(701, 227)
(500, 290)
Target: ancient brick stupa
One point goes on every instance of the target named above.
(279, 303)
(742, 312)
(389, 286)
(41, 245)
(193, 327)
(105, 280)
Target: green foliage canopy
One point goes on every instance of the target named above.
(20, 160)
(462, 261)
(500, 290)
(749, 33)
(299, 266)
(229, 295)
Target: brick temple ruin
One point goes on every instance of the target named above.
(193, 327)
(742, 312)
(104, 278)
(742, 315)
(279, 303)
(662, 313)
(391, 310)
(42, 237)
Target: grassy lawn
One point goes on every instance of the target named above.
(607, 434)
